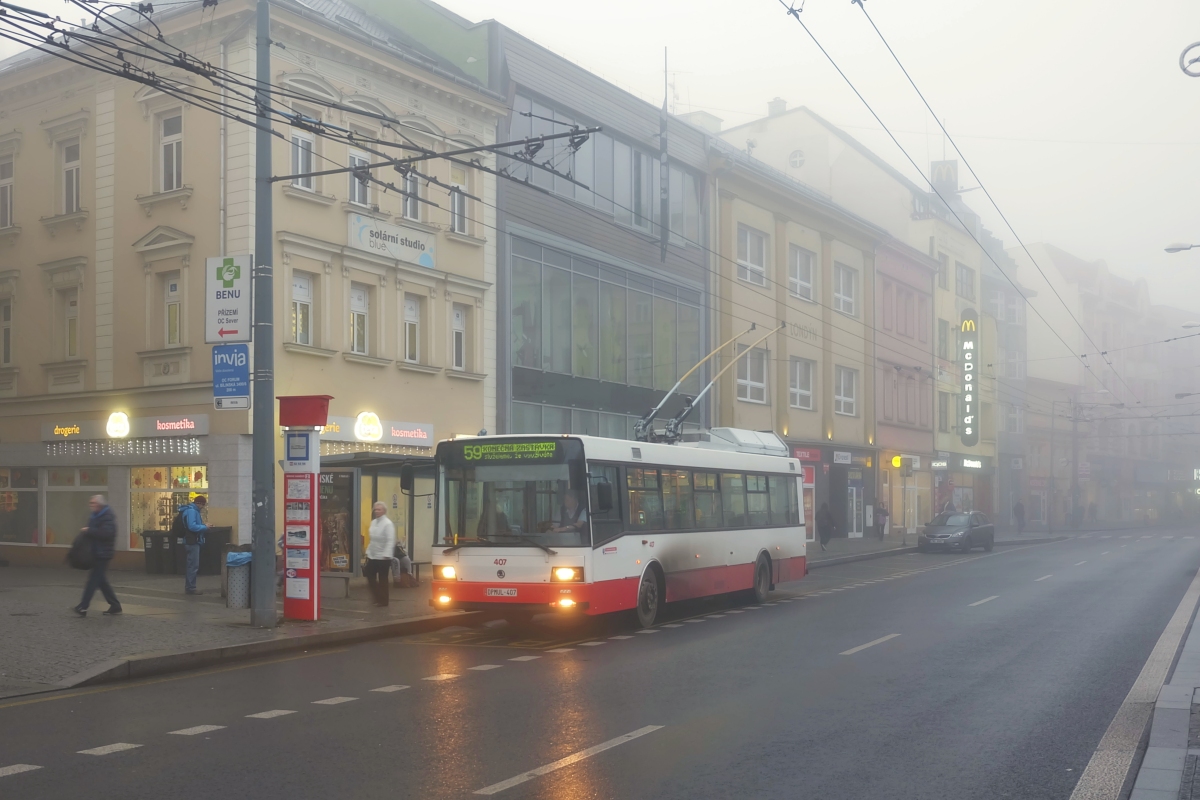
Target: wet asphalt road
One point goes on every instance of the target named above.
(1004, 698)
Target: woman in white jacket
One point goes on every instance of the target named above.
(381, 541)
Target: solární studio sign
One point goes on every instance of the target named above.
(394, 241)
(968, 348)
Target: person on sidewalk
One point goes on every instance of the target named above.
(826, 525)
(102, 530)
(381, 545)
(1019, 516)
(189, 525)
(881, 519)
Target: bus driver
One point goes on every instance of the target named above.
(572, 516)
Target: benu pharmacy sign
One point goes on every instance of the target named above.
(227, 299)
(968, 341)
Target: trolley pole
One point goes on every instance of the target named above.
(262, 589)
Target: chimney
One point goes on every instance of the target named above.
(776, 107)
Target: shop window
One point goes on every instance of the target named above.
(68, 491)
(19, 505)
(156, 493)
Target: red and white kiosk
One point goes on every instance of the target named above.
(302, 418)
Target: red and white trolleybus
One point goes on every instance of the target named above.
(527, 524)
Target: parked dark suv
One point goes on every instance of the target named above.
(957, 530)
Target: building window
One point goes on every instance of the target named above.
(6, 332)
(411, 206)
(752, 255)
(845, 288)
(800, 272)
(845, 391)
(69, 153)
(685, 206)
(156, 493)
(302, 307)
(800, 383)
(458, 201)
(6, 192)
(172, 297)
(1016, 306)
(944, 412)
(360, 305)
(458, 337)
(412, 328)
(170, 137)
(360, 185)
(1016, 419)
(943, 342)
(752, 375)
(302, 160)
(964, 281)
(943, 271)
(644, 196)
(70, 316)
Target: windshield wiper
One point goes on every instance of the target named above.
(538, 544)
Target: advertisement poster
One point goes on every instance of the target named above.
(298, 536)
(298, 558)
(297, 512)
(297, 588)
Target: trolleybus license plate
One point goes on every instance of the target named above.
(501, 592)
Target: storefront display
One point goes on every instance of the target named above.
(336, 507)
(155, 495)
(68, 491)
(19, 505)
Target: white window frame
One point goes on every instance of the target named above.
(798, 395)
(358, 193)
(6, 341)
(7, 183)
(172, 300)
(360, 309)
(70, 321)
(302, 307)
(845, 391)
(174, 144)
(303, 159)
(410, 204)
(798, 285)
(750, 240)
(845, 289)
(959, 269)
(458, 336)
(71, 172)
(750, 390)
(412, 329)
(459, 210)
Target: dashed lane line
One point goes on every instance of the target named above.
(693, 620)
(487, 667)
(574, 758)
(591, 644)
(272, 714)
(984, 600)
(1035, 580)
(672, 625)
(649, 630)
(389, 689)
(620, 637)
(197, 730)
(17, 769)
(880, 640)
(555, 650)
(1106, 552)
(108, 748)
(333, 701)
(1077, 563)
(524, 658)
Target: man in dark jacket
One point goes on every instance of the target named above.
(102, 531)
(193, 529)
(826, 525)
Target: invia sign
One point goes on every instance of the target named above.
(231, 370)
(968, 349)
(227, 305)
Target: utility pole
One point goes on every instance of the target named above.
(1074, 466)
(262, 591)
(1050, 511)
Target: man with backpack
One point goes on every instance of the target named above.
(101, 533)
(191, 528)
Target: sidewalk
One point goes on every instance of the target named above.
(46, 644)
(843, 549)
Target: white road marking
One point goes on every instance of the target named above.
(197, 730)
(880, 640)
(16, 769)
(984, 600)
(649, 630)
(389, 689)
(591, 644)
(734, 611)
(1124, 545)
(555, 650)
(620, 637)
(1035, 580)
(686, 620)
(567, 761)
(1105, 537)
(751, 608)
(441, 676)
(272, 714)
(1168, 537)
(108, 748)
(716, 615)
(486, 667)
(1076, 564)
(532, 658)
(672, 625)
(1106, 552)
(333, 701)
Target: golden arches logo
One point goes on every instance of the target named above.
(968, 325)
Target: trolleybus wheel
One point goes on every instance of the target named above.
(762, 579)
(649, 598)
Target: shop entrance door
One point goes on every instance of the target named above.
(854, 511)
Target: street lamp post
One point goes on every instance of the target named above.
(1074, 452)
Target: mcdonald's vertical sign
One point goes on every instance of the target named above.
(968, 339)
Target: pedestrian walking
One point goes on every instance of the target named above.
(381, 545)
(1019, 516)
(189, 526)
(102, 531)
(881, 520)
(826, 525)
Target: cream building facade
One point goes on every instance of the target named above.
(116, 196)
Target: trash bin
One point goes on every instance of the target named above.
(237, 569)
(213, 549)
(160, 552)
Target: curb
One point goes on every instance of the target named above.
(897, 551)
(148, 664)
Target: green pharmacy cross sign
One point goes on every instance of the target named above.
(227, 299)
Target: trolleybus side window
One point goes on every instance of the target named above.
(733, 498)
(757, 502)
(677, 499)
(708, 500)
(793, 501)
(605, 483)
(645, 502)
(780, 515)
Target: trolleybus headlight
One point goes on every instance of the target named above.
(566, 574)
(566, 602)
(447, 572)
(444, 599)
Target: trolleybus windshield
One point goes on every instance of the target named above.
(512, 493)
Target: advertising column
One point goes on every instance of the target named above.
(301, 544)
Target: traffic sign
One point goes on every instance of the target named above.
(227, 299)
(231, 375)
